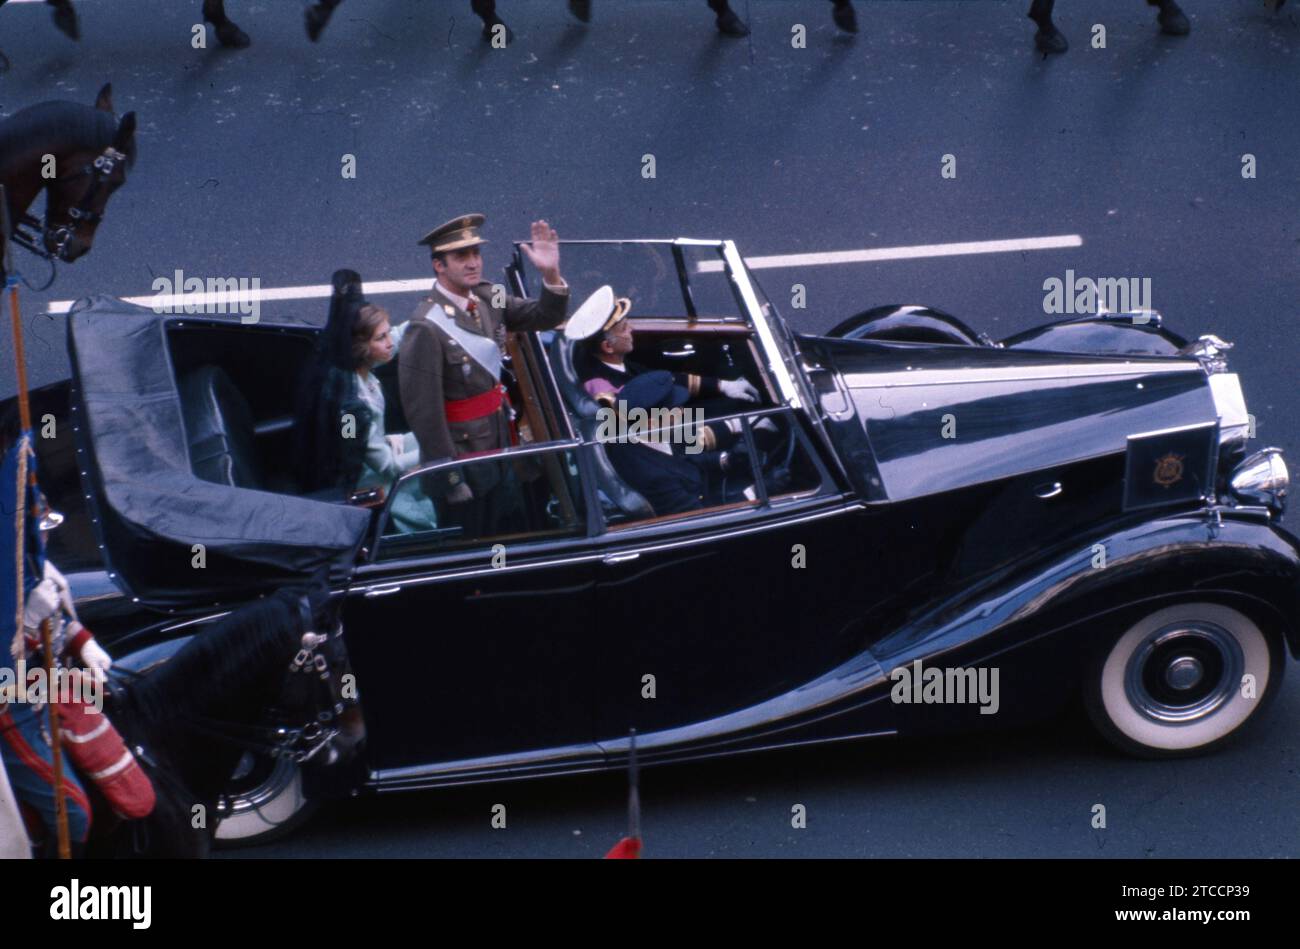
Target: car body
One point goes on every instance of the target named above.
(1068, 512)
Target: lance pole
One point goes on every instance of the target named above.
(47, 632)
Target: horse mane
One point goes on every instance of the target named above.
(229, 668)
(56, 128)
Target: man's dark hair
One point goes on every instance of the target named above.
(440, 255)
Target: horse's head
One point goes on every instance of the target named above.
(77, 197)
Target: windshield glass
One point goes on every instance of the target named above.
(661, 278)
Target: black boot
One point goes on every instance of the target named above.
(1048, 39)
(317, 16)
(65, 18)
(1172, 20)
(581, 9)
(728, 23)
(844, 16)
(228, 34)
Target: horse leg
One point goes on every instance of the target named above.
(214, 11)
(1171, 18)
(318, 15)
(65, 18)
(1048, 39)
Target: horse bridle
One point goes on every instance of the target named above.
(102, 169)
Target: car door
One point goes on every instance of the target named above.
(473, 648)
(718, 612)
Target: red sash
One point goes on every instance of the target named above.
(476, 406)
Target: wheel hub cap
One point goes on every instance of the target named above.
(1182, 672)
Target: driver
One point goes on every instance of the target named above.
(605, 334)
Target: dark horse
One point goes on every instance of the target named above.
(192, 717)
(78, 155)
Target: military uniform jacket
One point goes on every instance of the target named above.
(433, 369)
(697, 387)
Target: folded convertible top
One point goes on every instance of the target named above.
(150, 510)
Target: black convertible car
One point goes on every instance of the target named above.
(947, 532)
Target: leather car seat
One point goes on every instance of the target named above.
(584, 409)
(219, 429)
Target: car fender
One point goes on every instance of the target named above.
(1014, 619)
(907, 323)
(1109, 334)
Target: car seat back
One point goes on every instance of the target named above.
(219, 429)
(617, 491)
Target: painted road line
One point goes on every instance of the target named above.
(233, 298)
(908, 252)
(419, 284)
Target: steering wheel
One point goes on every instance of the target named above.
(775, 461)
(771, 464)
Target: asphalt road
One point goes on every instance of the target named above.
(1136, 148)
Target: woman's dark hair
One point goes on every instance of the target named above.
(326, 458)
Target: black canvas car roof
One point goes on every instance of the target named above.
(150, 508)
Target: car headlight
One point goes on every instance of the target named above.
(1262, 479)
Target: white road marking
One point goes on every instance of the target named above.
(422, 284)
(908, 252)
(231, 300)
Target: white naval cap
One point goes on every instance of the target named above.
(598, 312)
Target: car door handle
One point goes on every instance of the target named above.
(611, 559)
(1046, 491)
(383, 591)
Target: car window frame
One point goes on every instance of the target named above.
(376, 533)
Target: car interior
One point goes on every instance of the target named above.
(238, 402)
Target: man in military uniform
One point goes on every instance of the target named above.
(672, 478)
(449, 368)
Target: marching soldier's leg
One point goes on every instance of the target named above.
(728, 23)
(1171, 18)
(487, 12)
(1048, 39)
(581, 9)
(844, 17)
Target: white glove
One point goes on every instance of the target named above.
(460, 494)
(42, 604)
(65, 591)
(740, 389)
(395, 442)
(93, 657)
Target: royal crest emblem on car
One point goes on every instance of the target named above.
(1169, 470)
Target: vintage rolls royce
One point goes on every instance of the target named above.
(946, 532)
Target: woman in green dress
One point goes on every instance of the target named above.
(339, 440)
(387, 456)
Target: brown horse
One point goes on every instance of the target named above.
(78, 155)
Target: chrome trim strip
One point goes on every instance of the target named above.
(492, 763)
(776, 364)
(940, 377)
(598, 555)
(1177, 428)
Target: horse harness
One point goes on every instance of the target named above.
(102, 169)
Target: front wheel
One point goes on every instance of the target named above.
(1183, 680)
(262, 802)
